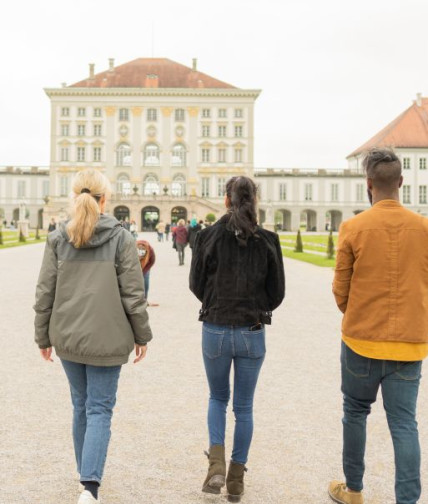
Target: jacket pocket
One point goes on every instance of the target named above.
(409, 370)
(212, 341)
(357, 365)
(255, 343)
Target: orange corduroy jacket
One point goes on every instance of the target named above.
(381, 276)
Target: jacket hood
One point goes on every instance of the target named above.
(106, 228)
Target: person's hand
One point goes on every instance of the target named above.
(140, 352)
(46, 354)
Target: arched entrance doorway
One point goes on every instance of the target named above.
(308, 218)
(356, 212)
(121, 213)
(15, 215)
(334, 218)
(149, 218)
(283, 220)
(178, 213)
(262, 216)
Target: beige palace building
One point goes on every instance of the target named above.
(167, 136)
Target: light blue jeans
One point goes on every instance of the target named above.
(93, 394)
(399, 381)
(222, 345)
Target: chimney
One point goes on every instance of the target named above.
(194, 64)
(152, 81)
(111, 64)
(91, 70)
(419, 99)
(200, 83)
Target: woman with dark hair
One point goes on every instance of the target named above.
(237, 273)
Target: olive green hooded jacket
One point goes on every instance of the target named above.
(90, 302)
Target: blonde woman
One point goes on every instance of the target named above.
(90, 306)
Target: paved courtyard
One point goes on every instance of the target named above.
(159, 430)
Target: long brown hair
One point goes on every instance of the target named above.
(88, 188)
(242, 194)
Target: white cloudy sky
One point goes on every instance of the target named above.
(332, 72)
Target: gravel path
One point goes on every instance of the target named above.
(159, 431)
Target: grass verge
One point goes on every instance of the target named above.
(20, 244)
(317, 260)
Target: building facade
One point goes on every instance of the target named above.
(167, 136)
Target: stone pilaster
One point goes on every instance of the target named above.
(110, 142)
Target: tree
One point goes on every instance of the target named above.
(1, 235)
(21, 236)
(37, 233)
(210, 218)
(330, 246)
(299, 243)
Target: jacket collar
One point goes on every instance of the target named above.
(387, 203)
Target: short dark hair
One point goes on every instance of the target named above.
(383, 167)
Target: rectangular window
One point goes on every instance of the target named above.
(238, 131)
(222, 113)
(64, 154)
(308, 192)
(360, 192)
(22, 189)
(205, 187)
(222, 155)
(221, 187)
(123, 114)
(65, 129)
(222, 131)
(422, 163)
(406, 194)
(206, 112)
(97, 129)
(205, 131)
(406, 163)
(81, 130)
(65, 111)
(45, 188)
(238, 155)
(152, 114)
(283, 192)
(179, 114)
(423, 194)
(239, 113)
(97, 153)
(81, 152)
(81, 111)
(97, 112)
(205, 155)
(63, 186)
(334, 192)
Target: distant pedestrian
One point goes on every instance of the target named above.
(147, 257)
(238, 275)
(193, 230)
(167, 231)
(160, 228)
(180, 236)
(133, 229)
(127, 224)
(90, 306)
(52, 226)
(381, 287)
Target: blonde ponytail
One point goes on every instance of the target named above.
(88, 188)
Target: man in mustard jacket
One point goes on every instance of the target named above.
(381, 286)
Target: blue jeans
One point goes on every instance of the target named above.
(361, 379)
(222, 345)
(146, 277)
(93, 394)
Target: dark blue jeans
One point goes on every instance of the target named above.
(222, 345)
(146, 277)
(93, 394)
(361, 379)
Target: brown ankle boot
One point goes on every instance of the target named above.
(235, 481)
(216, 471)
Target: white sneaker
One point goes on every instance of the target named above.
(87, 498)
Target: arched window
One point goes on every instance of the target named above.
(123, 155)
(178, 186)
(150, 185)
(123, 185)
(179, 155)
(151, 155)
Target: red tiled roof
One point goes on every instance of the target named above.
(409, 129)
(152, 72)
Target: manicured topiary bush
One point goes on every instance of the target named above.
(330, 246)
(210, 218)
(299, 243)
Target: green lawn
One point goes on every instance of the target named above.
(318, 260)
(11, 239)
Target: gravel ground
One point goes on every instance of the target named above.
(159, 430)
